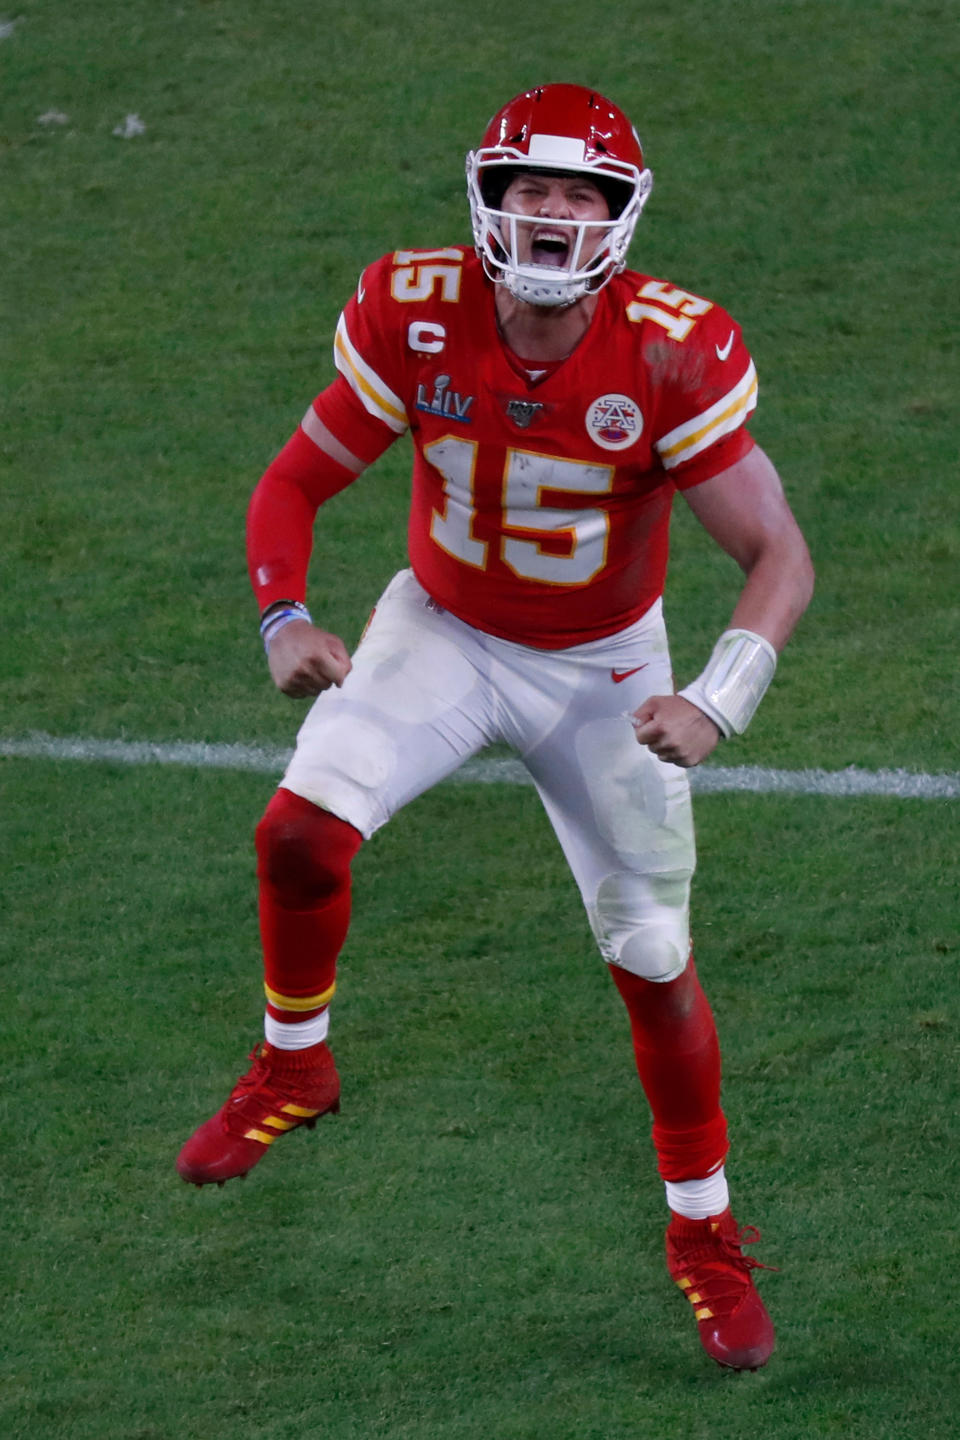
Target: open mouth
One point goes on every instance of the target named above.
(550, 248)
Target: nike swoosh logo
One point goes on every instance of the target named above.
(618, 676)
(722, 354)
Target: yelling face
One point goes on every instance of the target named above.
(551, 204)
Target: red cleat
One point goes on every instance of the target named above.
(284, 1089)
(705, 1259)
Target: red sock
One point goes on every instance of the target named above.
(678, 1060)
(304, 856)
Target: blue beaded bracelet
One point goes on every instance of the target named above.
(278, 616)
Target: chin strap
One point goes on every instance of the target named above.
(735, 680)
(545, 292)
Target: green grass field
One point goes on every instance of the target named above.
(473, 1247)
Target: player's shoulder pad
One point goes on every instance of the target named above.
(407, 300)
(421, 276)
(685, 340)
(669, 312)
(697, 364)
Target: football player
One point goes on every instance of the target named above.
(556, 401)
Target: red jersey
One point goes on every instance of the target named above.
(541, 495)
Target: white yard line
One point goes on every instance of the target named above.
(707, 780)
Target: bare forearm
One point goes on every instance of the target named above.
(745, 511)
(778, 590)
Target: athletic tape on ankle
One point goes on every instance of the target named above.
(296, 1037)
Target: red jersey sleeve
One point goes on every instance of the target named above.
(281, 513)
(709, 392)
(346, 428)
(364, 408)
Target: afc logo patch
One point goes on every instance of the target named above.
(614, 421)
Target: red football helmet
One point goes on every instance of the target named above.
(570, 130)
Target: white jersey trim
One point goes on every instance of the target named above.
(703, 430)
(376, 397)
(325, 440)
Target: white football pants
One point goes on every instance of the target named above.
(427, 691)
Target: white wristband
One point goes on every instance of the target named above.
(734, 681)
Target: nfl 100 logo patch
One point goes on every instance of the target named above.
(614, 421)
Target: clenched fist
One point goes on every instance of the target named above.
(675, 730)
(304, 660)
